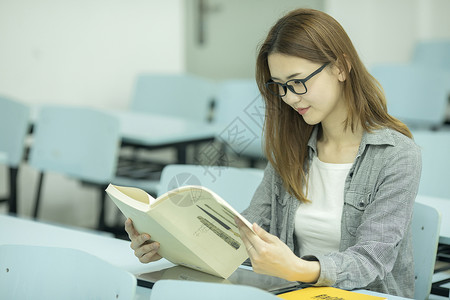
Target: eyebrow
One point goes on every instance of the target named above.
(292, 76)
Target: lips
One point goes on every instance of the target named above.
(302, 111)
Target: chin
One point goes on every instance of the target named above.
(311, 121)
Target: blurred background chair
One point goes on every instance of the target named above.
(435, 147)
(416, 94)
(78, 142)
(182, 95)
(433, 53)
(435, 182)
(239, 113)
(192, 290)
(235, 185)
(35, 272)
(425, 228)
(14, 126)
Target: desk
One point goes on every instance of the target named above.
(154, 131)
(117, 252)
(443, 206)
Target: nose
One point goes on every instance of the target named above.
(290, 98)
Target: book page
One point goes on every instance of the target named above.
(203, 221)
(134, 197)
(187, 195)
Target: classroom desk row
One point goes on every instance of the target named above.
(148, 131)
(117, 252)
(154, 131)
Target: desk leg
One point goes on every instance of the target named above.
(12, 201)
(181, 154)
(102, 214)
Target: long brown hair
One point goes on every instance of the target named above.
(315, 36)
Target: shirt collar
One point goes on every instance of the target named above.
(382, 136)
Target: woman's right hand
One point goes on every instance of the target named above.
(144, 249)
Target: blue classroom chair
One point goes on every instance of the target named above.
(14, 127)
(425, 227)
(239, 115)
(181, 95)
(435, 146)
(433, 53)
(416, 94)
(36, 272)
(81, 143)
(234, 185)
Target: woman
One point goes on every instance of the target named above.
(335, 205)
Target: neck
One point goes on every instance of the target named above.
(339, 136)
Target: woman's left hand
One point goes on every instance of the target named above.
(270, 256)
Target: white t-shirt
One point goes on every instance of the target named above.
(318, 223)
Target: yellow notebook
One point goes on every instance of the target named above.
(326, 293)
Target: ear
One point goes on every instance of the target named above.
(341, 73)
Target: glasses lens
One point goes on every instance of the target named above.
(298, 86)
(276, 88)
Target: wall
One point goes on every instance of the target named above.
(86, 52)
(232, 31)
(385, 30)
(89, 52)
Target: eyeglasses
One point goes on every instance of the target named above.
(297, 86)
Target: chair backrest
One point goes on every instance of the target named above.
(435, 147)
(416, 94)
(235, 185)
(14, 126)
(182, 95)
(77, 141)
(434, 53)
(240, 111)
(36, 272)
(193, 290)
(425, 228)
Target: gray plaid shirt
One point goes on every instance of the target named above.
(376, 246)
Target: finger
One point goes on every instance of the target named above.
(138, 241)
(147, 250)
(129, 228)
(149, 257)
(244, 236)
(242, 226)
(251, 238)
(264, 235)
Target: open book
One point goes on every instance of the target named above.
(194, 226)
(323, 292)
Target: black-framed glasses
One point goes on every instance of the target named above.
(297, 86)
